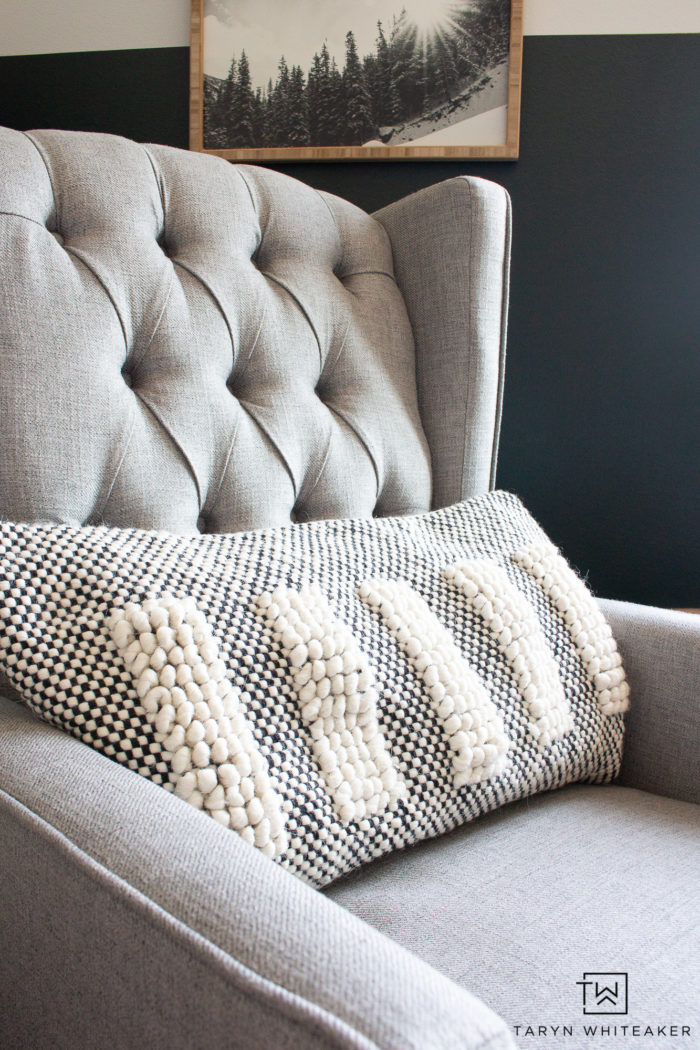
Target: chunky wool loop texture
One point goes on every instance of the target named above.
(518, 634)
(471, 723)
(289, 681)
(216, 764)
(335, 686)
(584, 621)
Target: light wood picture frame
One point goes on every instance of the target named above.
(383, 80)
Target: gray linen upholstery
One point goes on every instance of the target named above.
(188, 344)
(660, 649)
(519, 906)
(451, 245)
(171, 932)
(191, 344)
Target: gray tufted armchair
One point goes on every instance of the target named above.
(190, 345)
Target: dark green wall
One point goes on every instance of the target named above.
(601, 428)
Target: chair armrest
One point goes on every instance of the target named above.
(451, 252)
(129, 911)
(660, 650)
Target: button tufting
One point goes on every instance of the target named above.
(267, 335)
(231, 387)
(299, 513)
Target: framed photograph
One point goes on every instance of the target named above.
(337, 80)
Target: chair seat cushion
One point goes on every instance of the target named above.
(547, 893)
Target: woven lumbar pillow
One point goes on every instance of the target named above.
(331, 690)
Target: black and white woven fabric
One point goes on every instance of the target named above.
(331, 690)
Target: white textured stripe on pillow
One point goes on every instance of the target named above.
(471, 723)
(335, 687)
(518, 634)
(168, 646)
(590, 632)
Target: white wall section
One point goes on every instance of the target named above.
(581, 17)
(36, 27)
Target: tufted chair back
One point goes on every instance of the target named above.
(193, 345)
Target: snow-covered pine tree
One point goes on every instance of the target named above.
(358, 111)
(413, 61)
(483, 36)
(337, 106)
(279, 108)
(429, 77)
(323, 117)
(267, 127)
(312, 98)
(403, 48)
(243, 107)
(298, 134)
(370, 72)
(389, 103)
(494, 22)
(448, 77)
(211, 136)
(260, 117)
(218, 129)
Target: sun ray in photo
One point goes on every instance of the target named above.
(434, 20)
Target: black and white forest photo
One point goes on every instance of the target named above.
(317, 76)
